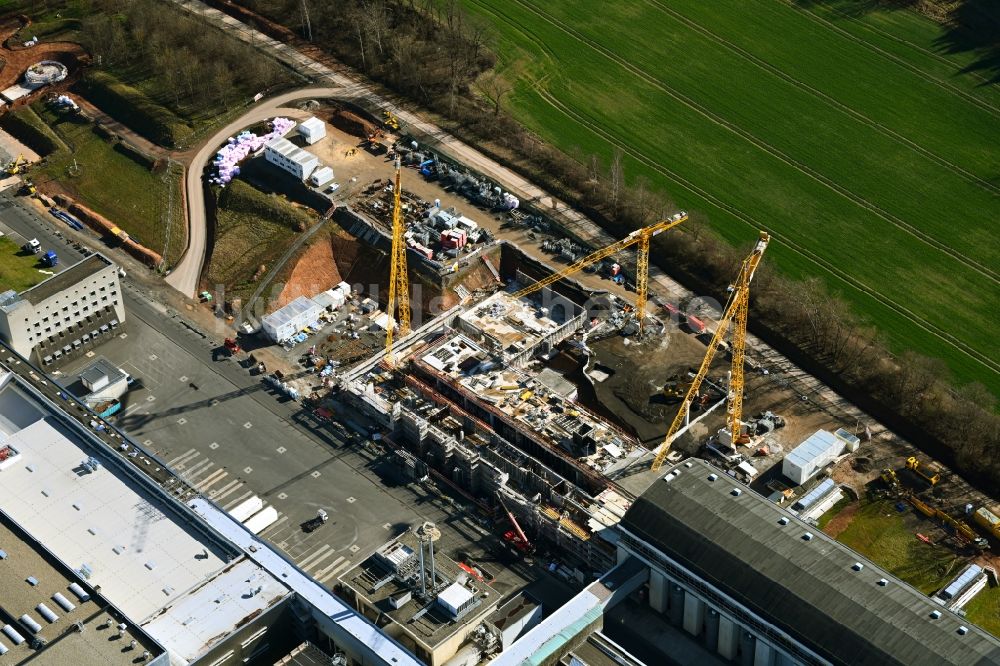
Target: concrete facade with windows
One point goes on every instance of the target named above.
(63, 314)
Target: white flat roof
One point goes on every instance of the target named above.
(194, 622)
(817, 444)
(292, 152)
(312, 124)
(101, 520)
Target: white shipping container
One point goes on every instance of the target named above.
(261, 520)
(247, 508)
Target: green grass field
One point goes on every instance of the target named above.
(17, 271)
(879, 532)
(854, 140)
(984, 610)
(145, 204)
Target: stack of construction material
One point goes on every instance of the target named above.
(238, 148)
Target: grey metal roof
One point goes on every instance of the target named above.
(816, 445)
(809, 589)
(102, 367)
(78, 272)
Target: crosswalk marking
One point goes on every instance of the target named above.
(309, 560)
(186, 454)
(325, 570)
(327, 576)
(226, 490)
(188, 461)
(315, 566)
(211, 480)
(239, 499)
(197, 470)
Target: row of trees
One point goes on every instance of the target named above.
(427, 50)
(191, 68)
(434, 54)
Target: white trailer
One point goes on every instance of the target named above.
(247, 508)
(261, 520)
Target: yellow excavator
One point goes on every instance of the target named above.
(17, 165)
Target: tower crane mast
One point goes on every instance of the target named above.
(399, 283)
(736, 310)
(642, 237)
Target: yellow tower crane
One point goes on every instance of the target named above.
(399, 283)
(640, 236)
(736, 309)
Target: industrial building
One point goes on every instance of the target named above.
(92, 549)
(66, 314)
(756, 585)
(420, 597)
(100, 385)
(284, 154)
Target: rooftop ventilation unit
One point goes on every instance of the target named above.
(963, 630)
(783, 520)
(807, 536)
(713, 477)
(883, 582)
(935, 614)
(857, 566)
(735, 492)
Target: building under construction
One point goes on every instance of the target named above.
(475, 406)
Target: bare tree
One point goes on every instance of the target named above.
(494, 88)
(616, 181)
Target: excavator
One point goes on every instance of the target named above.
(736, 309)
(640, 237)
(17, 165)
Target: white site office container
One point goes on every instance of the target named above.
(247, 508)
(261, 520)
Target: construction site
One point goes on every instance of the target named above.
(544, 382)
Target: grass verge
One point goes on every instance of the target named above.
(984, 610)
(879, 532)
(253, 230)
(18, 271)
(115, 182)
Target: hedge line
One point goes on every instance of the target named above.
(134, 109)
(25, 126)
(239, 197)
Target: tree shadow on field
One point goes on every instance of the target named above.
(970, 26)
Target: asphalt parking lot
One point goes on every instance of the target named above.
(231, 438)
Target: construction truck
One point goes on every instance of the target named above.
(32, 246)
(913, 465)
(50, 259)
(988, 520)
